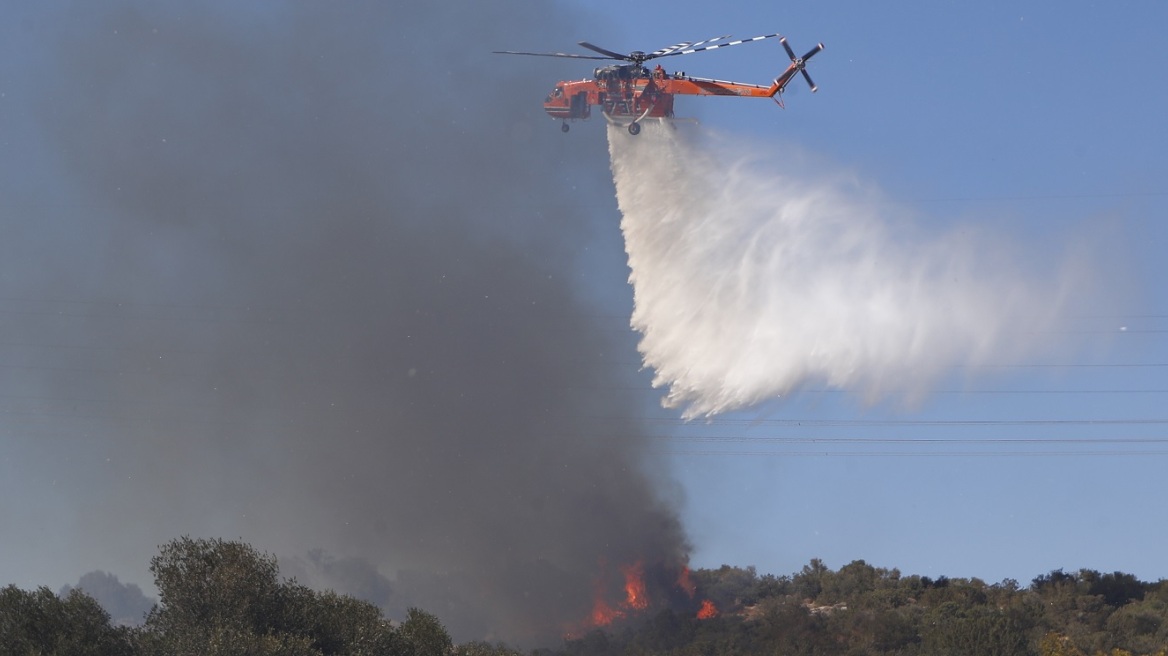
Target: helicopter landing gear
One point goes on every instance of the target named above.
(564, 127)
(634, 128)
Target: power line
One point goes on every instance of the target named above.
(927, 423)
(722, 439)
(911, 454)
(897, 392)
(963, 199)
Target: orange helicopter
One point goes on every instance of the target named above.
(629, 93)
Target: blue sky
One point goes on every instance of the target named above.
(1038, 120)
(1041, 122)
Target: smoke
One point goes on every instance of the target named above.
(124, 602)
(309, 275)
(755, 276)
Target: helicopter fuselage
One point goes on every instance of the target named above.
(633, 92)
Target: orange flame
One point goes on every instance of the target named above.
(708, 610)
(635, 595)
(603, 614)
(685, 583)
(606, 611)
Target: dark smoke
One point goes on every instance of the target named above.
(312, 276)
(124, 602)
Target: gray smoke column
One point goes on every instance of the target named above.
(306, 274)
(755, 276)
(125, 603)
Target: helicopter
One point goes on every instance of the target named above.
(629, 93)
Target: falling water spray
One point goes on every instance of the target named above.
(753, 278)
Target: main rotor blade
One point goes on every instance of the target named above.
(721, 45)
(668, 49)
(811, 52)
(611, 54)
(546, 54)
(808, 78)
(685, 44)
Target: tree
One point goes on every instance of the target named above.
(480, 648)
(1057, 644)
(224, 598)
(1116, 588)
(953, 630)
(727, 586)
(40, 622)
(205, 585)
(1055, 579)
(423, 635)
(1141, 626)
(810, 581)
(336, 625)
(852, 580)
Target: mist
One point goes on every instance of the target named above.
(756, 275)
(312, 276)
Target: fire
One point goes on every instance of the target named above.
(685, 583)
(635, 596)
(603, 614)
(643, 588)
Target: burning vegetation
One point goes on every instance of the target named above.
(639, 591)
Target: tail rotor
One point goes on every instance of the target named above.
(800, 63)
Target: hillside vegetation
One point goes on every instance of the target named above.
(866, 610)
(223, 598)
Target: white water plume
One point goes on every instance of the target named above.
(753, 278)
